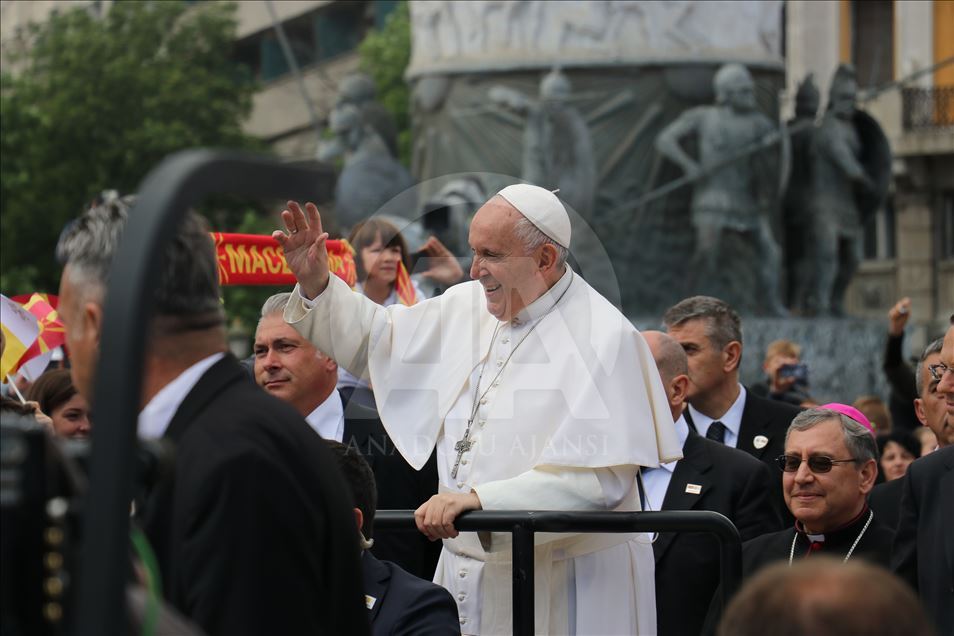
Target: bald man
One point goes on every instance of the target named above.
(710, 476)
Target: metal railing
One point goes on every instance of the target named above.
(927, 108)
(522, 525)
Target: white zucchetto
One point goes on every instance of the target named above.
(543, 208)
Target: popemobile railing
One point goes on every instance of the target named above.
(522, 525)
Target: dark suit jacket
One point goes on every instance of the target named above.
(405, 604)
(769, 419)
(924, 543)
(885, 500)
(254, 531)
(687, 565)
(400, 487)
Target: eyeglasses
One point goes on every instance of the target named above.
(938, 370)
(816, 463)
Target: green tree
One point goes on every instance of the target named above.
(95, 103)
(385, 54)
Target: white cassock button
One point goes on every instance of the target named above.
(461, 596)
(460, 484)
(496, 383)
(506, 340)
(463, 462)
(482, 422)
(463, 573)
(483, 400)
(499, 363)
(463, 620)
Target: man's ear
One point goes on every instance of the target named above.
(547, 258)
(869, 472)
(92, 321)
(731, 356)
(919, 411)
(680, 389)
(359, 519)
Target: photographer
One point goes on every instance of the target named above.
(786, 376)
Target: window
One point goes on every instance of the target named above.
(879, 233)
(314, 37)
(872, 41)
(945, 225)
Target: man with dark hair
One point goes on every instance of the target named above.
(710, 476)
(290, 367)
(252, 531)
(924, 545)
(823, 597)
(720, 408)
(398, 603)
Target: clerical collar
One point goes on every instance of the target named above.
(849, 528)
(545, 302)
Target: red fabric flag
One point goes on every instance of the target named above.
(404, 287)
(250, 259)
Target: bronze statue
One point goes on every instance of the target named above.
(557, 146)
(729, 196)
(797, 204)
(845, 190)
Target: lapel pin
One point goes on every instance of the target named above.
(370, 601)
(693, 489)
(760, 441)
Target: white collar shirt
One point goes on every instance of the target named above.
(731, 419)
(154, 419)
(656, 480)
(328, 418)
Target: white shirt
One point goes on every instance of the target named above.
(656, 480)
(154, 419)
(732, 419)
(328, 418)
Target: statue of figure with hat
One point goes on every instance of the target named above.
(557, 145)
(537, 394)
(731, 194)
(797, 204)
(851, 171)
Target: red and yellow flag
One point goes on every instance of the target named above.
(52, 333)
(250, 259)
(403, 287)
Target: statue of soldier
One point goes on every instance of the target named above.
(371, 175)
(357, 90)
(557, 145)
(797, 204)
(731, 197)
(839, 177)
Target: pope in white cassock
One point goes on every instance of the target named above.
(536, 391)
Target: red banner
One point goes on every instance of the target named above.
(250, 259)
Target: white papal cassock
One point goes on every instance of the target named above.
(564, 426)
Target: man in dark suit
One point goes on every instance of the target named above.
(398, 602)
(290, 367)
(924, 544)
(710, 476)
(931, 410)
(252, 530)
(720, 408)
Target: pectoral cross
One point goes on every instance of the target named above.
(462, 446)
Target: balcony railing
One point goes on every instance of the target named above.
(927, 108)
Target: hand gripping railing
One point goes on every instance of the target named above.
(522, 525)
(178, 183)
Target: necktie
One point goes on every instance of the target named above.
(716, 432)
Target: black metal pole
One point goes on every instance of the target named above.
(180, 181)
(523, 603)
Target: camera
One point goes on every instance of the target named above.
(42, 491)
(798, 372)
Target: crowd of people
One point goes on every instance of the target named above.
(523, 389)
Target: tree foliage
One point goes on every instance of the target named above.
(385, 54)
(95, 103)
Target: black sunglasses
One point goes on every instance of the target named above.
(816, 463)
